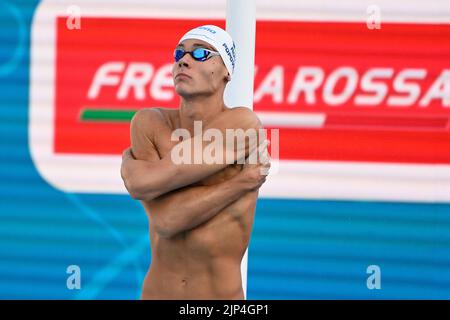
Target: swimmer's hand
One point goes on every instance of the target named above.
(255, 169)
(128, 154)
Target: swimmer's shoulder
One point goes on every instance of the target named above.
(242, 111)
(246, 115)
(156, 117)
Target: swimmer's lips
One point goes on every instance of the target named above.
(182, 76)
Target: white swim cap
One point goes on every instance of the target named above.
(219, 39)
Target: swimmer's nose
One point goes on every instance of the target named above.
(183, 62)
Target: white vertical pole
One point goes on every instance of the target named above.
(241, 25)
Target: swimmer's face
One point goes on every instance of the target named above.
(193, 78)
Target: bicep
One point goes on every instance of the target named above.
(244, 125)
(142, 136)
(147, 175)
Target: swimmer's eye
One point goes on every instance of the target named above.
(199, 54)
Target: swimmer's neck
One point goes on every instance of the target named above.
(200, 108)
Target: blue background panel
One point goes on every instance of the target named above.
(299, 249)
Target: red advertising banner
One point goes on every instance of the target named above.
(384, 95)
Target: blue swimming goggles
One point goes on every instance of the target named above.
(198, 54)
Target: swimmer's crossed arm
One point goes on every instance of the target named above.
(188, 207)
(147, 176)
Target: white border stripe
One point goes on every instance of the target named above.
(293, 179)
(297, 120)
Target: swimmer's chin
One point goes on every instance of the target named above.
(186, 94)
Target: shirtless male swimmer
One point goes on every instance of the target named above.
(200, 215)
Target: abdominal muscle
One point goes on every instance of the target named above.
(204, 262)
(213, 280)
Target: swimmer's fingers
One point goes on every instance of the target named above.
(127, 154)
(264, 159)
(251, 158)
(264, 156)
(259, 154)
(265, 168)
